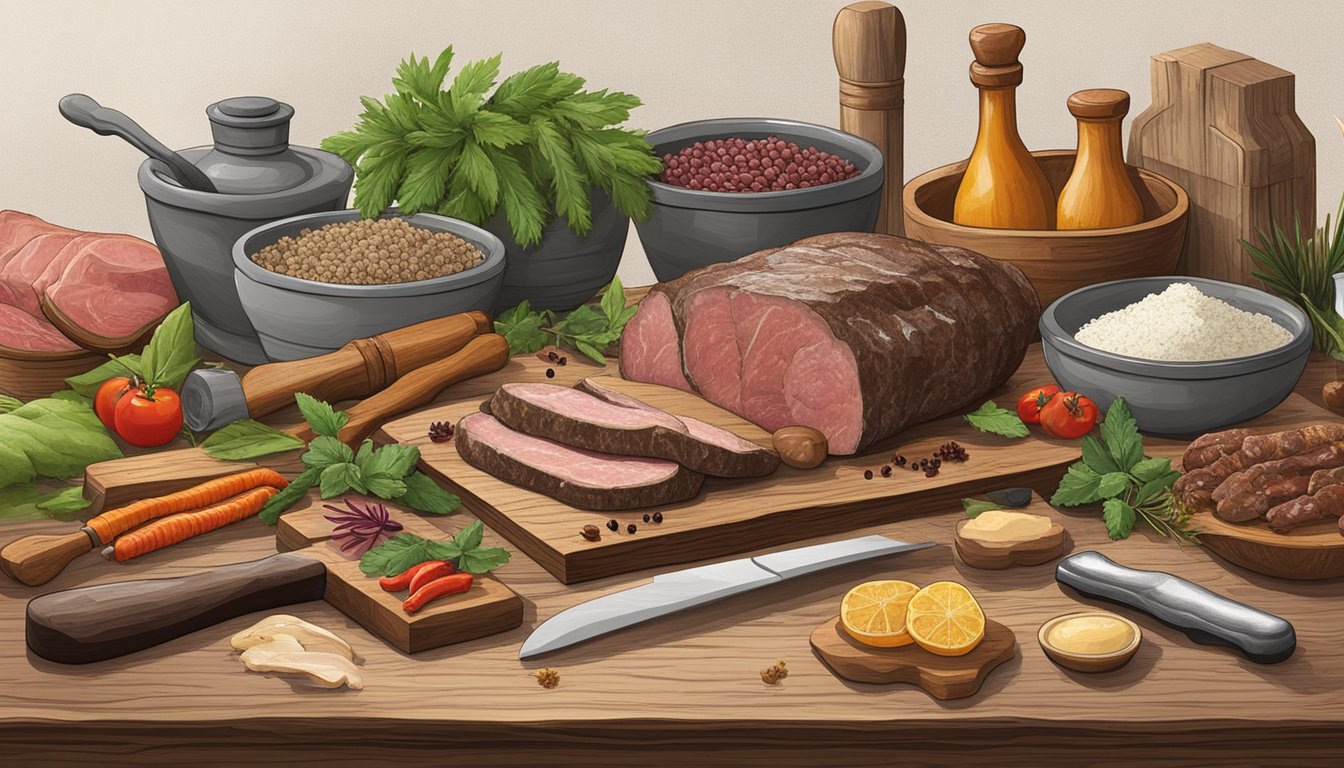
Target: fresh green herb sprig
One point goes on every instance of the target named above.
(406, 550)
(998, 421)
(388, 472)
(533, 148)
(164, 362)
(588, 329)
(1129, 485)
(248, 439)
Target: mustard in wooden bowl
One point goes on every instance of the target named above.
(1092, 641)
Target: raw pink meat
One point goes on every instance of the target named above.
(17, 228)
(19, 278)
(20, 331)
(110, 287)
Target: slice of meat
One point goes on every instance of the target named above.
(575, 476)
(111, 291)
(1277, 445)
(23, 336)
(20, 277)
(17, 228)
(1249, 494)
(1326, 502)
(580, 419)
(651, 346)
(1323, 478)
(1206, 449)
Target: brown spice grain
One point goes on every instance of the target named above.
(774, 673)
(547, 677)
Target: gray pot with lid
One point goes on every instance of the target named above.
(257, 177)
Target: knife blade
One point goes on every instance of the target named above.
(691, 587)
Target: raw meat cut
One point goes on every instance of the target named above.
(23, 336)
(616, 424)
(857, 335)
(109, 293)
(17, 228)
(577, 477)
(21, 276)
(23, 329)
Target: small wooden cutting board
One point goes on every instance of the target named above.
(942, 677)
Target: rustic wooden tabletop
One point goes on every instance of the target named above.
(686, 688)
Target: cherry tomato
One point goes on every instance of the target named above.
(1029, 405)
(109, 394)
(149, 417)
(1069, 415)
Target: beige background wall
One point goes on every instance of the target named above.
(162, 61)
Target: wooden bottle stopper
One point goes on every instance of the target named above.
(996, 47)
(1099, 104)
(868, 40)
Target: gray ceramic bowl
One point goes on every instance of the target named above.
(298, 318)
(689, 228)
(1168, 398)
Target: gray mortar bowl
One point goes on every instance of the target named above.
(297, 318)
(1169, 398)
(690, 228)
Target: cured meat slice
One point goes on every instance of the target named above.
(1249, 494)
(1206, 449)
(17, 228)
(575, 476)
(857, 335)
(107, 292)
(616, 424)
(23, 336)
(21, 276)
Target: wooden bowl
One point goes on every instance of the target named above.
(30, 375)
(1058, 261)
(1090, 662)
(1309, 553)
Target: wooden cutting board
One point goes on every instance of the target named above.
(731, 516)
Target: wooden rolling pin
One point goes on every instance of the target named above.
(213, 398)
(868, 40)
(35, 560)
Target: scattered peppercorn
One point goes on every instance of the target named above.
(563, 360)
(552, 356)
(772, 674)
(886, 470)
(647, 518)
(952, 452)
(657, 517)
(547, 677)
(898, 460)
(930, 472)
(867, 474)
(631, 528)
(440, 431)
(612, 525)
(591, 533)
(550, 373)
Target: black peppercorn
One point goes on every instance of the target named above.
(562, 361)
(646, 518)
(612, 525)
(550, 373)
(930, 472)
(867, 474)
(657, 517)
(886, 471)
(631, 528)
(552, 356)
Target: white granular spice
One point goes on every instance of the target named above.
(1181, 324)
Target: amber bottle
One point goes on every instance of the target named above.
(1099, 192)
(1004, 187)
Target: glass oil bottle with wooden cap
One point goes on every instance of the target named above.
(1099, 192)
(1004, 187)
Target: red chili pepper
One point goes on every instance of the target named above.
(437, 569)
(403, 580)
(451, 584)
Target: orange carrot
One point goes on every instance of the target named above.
(184, 525)
(114, 522)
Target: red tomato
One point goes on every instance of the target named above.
(148, 418)
(109, 394)
(1029, 405)
(1068, 415)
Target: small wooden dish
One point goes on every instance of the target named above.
(992, 555)
(1058, 261)
(1309, 553)
(1090, 662)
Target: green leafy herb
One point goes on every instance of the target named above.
(289, 495)
(19, 502)
(1130, 485)
(325, 451)
(533, 149)
(424, 495)
(405, 550)
(8, 403)
(72, 396)
(589, 329)
(974, 507)
(171, 352)
(52, 438)
(320, 416)
(87, 383)
(248, 439)
(522, 328)
(998, 421)
(63, 504)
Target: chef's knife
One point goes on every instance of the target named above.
(1204, 616)
(672, 592)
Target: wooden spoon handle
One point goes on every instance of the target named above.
(35, 560)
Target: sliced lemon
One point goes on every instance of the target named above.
(943, 618)
(874, 612)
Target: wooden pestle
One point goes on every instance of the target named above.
(868, 41)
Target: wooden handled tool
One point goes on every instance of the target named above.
(213, 398)
(868, 39)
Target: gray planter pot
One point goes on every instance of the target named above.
(563, 270)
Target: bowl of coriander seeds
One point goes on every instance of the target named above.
(312, 283)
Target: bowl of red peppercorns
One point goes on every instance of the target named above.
(733, 186)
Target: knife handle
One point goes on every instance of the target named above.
(1204, 616)
(86, 624)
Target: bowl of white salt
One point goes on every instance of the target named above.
(1188, 354)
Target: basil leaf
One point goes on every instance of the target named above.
(1077, 487)
(1119, 518)
(1151, 469)
(87, 383)
(974, 507)
(19, 502)
(320, 416)
(8, 403)
(613, 301)
(248, 439)
(364, 453)
(1097, 457)
(171, 352)
(998, 421)
(424, 495)
(591, 351)
(1120, 433)
(385, 487)
(471, 536)
(390, 461)
(325, 451)
(289, 495)
(482, 559)
(70, 396)
(51, 438)
(1112, 484)
(521, 327)
(339, 478)
(1150, 490)
(395, 555)
(64, 504)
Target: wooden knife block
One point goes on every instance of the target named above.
(1223, 126)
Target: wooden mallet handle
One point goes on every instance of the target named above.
(35, 560)
(869, 45)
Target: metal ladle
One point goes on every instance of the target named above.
(84, 111)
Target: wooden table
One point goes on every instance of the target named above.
(686, 689)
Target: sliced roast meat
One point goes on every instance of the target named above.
(24, 336)
(21, 275)
(857, 335)
(17, 228)
(110, 292)
(578, 418)
(575, 476)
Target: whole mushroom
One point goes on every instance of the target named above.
(800, 447)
